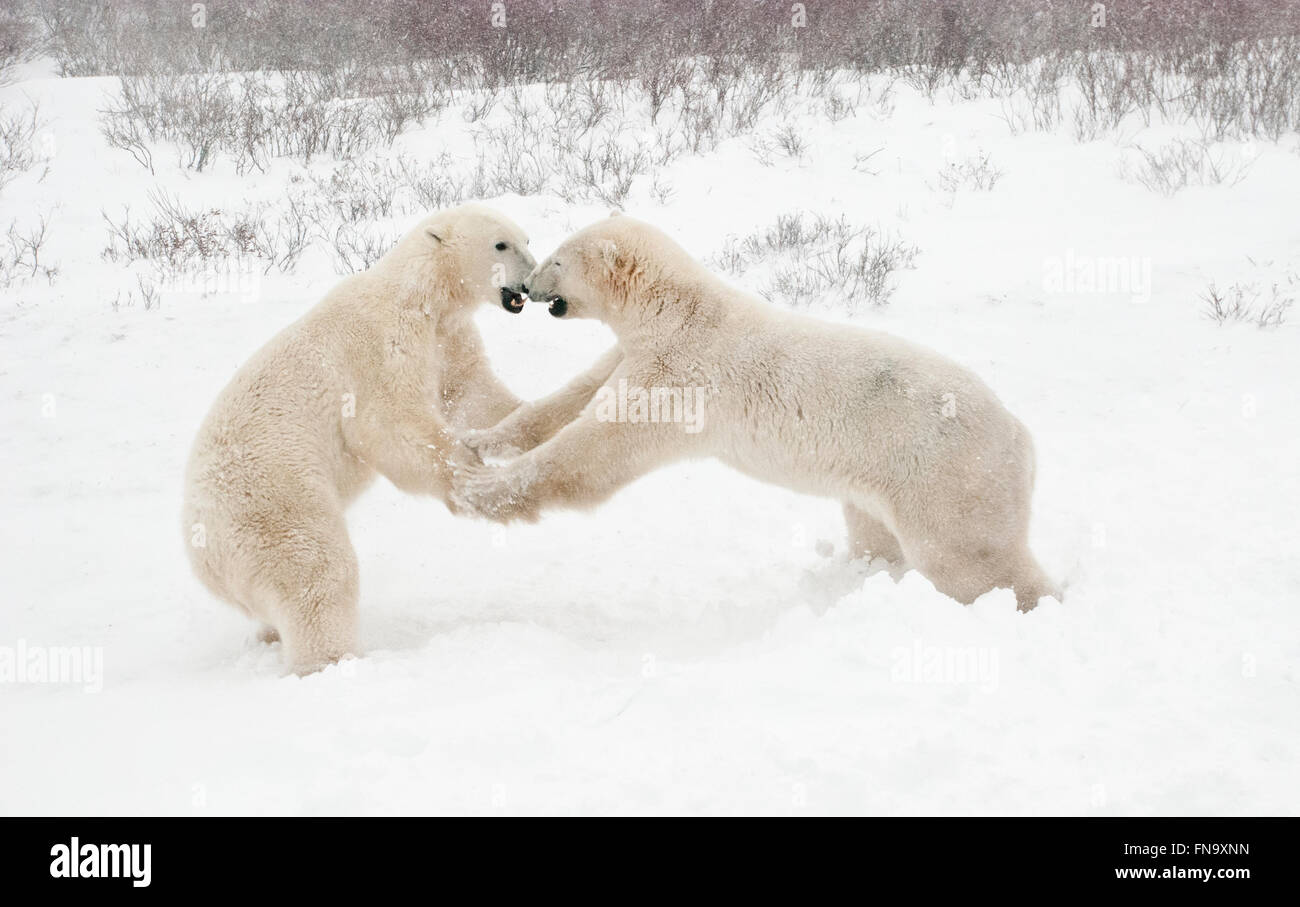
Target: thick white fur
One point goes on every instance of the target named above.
(932, 470)
(379, 377)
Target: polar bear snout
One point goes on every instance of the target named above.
(512, 300)
(543, 285)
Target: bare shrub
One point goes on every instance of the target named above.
(789, 142)
(977, 173)
(478, 106)
(360, 190)
(195, 112)
(809, 259)
(575, 143)
(280, 243)
(607, 168)
(661, 77)
(80, 37)
(1031, 95)
(863, 161)
(18, 151)
(20, 259)
(1245, 302)
(434, 184)
(176, 238)
(1234, 66)
(18, 38)
(378, 188)
(661, 192)
(129, 134)
(308, 78)
(403, 95)
(836, 107)
(150, 294)
(313, 118)
(1182, 163)
(1110, 87)
(255, 117)
(357, 248)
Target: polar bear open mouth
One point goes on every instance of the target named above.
(511, 300)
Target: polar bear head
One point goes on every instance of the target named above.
(472, 251)
(604, 270)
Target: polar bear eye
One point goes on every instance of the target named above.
(501, 247)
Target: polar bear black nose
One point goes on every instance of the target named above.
(558, 307)
(524, 287)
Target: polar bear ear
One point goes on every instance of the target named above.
(615, 212)
(609, 254)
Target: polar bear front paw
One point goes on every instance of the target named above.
(490, 445)
(497, 493)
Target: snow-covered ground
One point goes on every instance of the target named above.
(692, 646)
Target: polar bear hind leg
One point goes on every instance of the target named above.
(308, 592)
(963, 562)
(1031, 583)
(869, 537)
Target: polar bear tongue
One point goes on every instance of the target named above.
(511, 301)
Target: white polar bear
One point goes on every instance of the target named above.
(932, 470)
(379, 377)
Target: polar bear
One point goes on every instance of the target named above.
(379, 377)
(932, 470)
